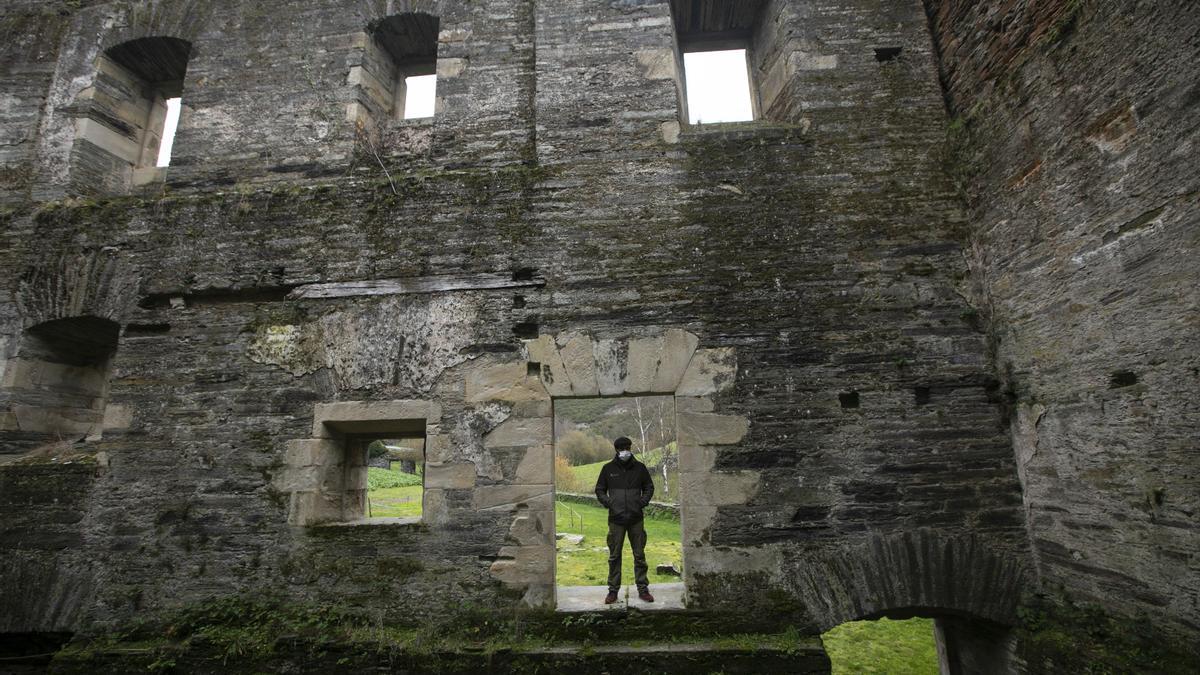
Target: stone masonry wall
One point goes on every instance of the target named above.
(555, 198)
(1078, 124)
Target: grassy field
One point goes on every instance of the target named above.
(587, 563)
(401, 502)
(882, 647)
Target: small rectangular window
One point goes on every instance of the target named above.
(419, 96)
(170, 125)
(718, 86)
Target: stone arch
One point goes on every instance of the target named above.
(970, 590)
(92, 282)
(55, 388)
(918, 572)
(373, 11)
(180, 19)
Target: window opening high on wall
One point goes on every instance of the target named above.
(718, 86)
(170, 126)
(420, 96)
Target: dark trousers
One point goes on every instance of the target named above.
(616, 542)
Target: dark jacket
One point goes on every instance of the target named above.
(624, 489)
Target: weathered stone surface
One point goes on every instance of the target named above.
(449, 476)
(369, 416)
(313, 452)
(559, 191)
(544, 352)
(677, 349)
(520, 431)
(642, 364)
(697, 458)
(510, 382)
(537, 467)
(117, 417)
(711, 428)
(657, 64)
(710, 371)
(609, 356)
(579, 362)
(696, 404)
(716, 488)
(534, 497)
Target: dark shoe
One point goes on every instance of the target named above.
(644, 595)
(610, 598)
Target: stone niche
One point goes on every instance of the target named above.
(54, 389)
(574, 364)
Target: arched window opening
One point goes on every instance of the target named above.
(396, 78)
(55, 388)
(130, 124)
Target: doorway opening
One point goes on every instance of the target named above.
(584, 433)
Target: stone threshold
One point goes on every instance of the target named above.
(576, 599)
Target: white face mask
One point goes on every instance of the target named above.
(624, 455)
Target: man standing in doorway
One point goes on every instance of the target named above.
(624, 488)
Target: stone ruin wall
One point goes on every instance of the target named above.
(554, 197)
(1081, 120)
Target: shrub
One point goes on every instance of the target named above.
(564, 475)
(582, 447)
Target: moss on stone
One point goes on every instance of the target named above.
(1057, 635)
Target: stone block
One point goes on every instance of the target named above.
(314, 508)
(579, 362)
(520, 431)
(459, 476)
(435, 511)
(438, 448)
(677, 349)
(535, 497)
(670, 132)
(533, 528)
(508, 382)
(696, 458)
(694, 524)
(544, 351)
(372, 416)
(656, 64)
(537, 467)
(610, 359)
(450, 67)
(313, 452)
(117, 417)
(700, 404)
(522, 565)
(711, 428)
(717, 489)
(66, 421)
(710, 371)
(642, 364)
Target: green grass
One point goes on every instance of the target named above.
(397, 502)
(584, 566)
(391, 478)
(882, 647)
